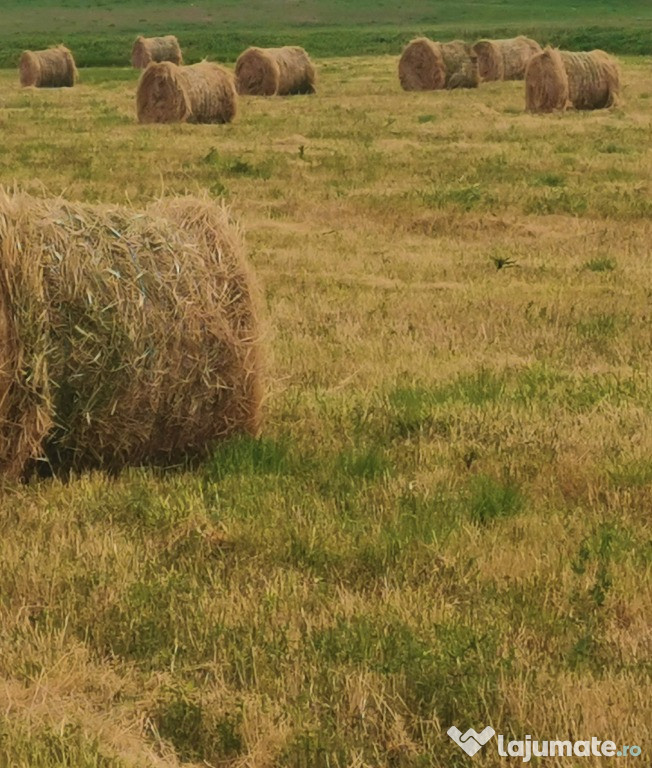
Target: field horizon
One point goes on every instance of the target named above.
(101, 34)
(446, 518)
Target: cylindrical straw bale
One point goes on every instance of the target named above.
(148, 49)
(199, 93)
(556, 80)
(426, 65)
(51, 68)
(505, 59)
(274, 72)
(127, 337)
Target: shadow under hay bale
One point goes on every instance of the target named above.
(429, 66)
(155, 49)
(556, 80)
(199, 93)
(51, 68)
(274, 72)
(504, 59)
(126, 337)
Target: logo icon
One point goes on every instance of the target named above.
(471, 741)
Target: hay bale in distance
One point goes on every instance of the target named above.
(556, 79)
(274, 72)
(429, 66)
(199, 93)
(517, 53)
(51, 68)
(127, 337)
(154, 49)
(505, 59)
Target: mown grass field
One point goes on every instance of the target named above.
(447, 517)
(100, 32)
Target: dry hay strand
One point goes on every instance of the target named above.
(127, 337)
(154, 49)
(51, 68)
(556, 80)
(429, 66)
(199, 93)
(274, 72)
(505, 59)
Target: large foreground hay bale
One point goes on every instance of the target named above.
(149, 49)
(52, 68)
(429, 66)
(505, 59)
(274, 72)
(126, 337)
(200, 93)
(559, 79)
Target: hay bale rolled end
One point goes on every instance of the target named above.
(430, 66)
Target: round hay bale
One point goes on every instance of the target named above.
(556, 80)
(517, 53)
(127, 337)
(505, 59)
(421, 66)
(154, 49)
(51, 68)
(274, 72)
(490, 60)
(429, 66)
(199, 93)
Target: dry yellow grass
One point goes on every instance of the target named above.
(448, 517)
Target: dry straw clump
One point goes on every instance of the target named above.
(556, 80)
(200, 93)
(274, 72)
(429, 66)
(125, 337)
(52, 68)
(505, 59)
(149, 49)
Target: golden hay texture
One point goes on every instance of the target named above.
(52, 68)
(461, 65)
(200, 93)
(505, 59)
(274, 72)
(126, 337)
(556, 80)
(421, 66)
(149, 49)
(428, 66)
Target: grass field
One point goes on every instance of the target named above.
(447, 518)
(101, 33)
